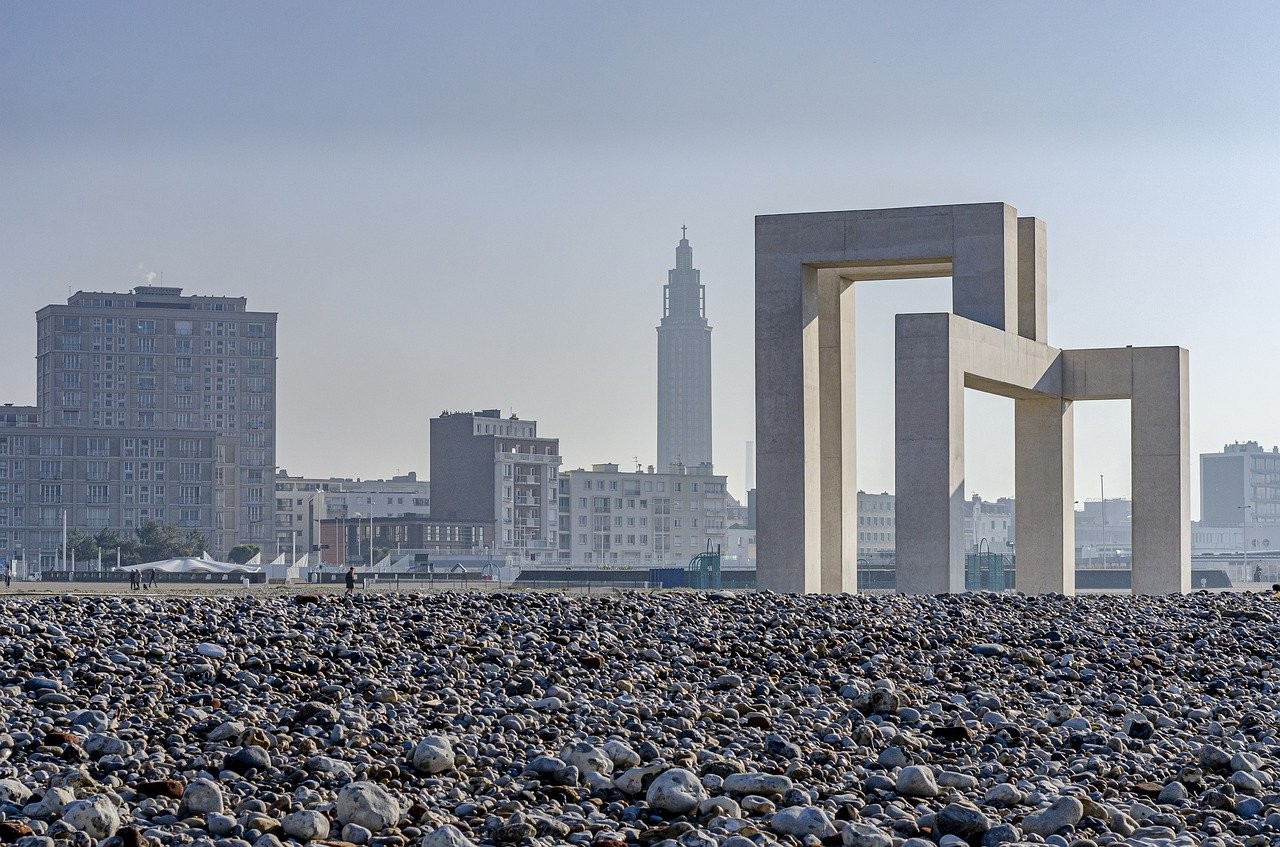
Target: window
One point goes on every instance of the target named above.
(50, 469)
(189, 494)
(71, 362)
(51, 493)
(96, 494)
(182, 364)
(98, 447)
(147, 327)
(50, 446)
(182, 327)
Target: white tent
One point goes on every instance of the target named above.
(192, 565)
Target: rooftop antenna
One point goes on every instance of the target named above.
(639, 467)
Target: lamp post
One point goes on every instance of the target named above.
(358, 517)
(1102, 486)
(1244, 535)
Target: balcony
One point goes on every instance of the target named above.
(532, 458)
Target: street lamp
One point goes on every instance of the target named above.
(1244, 535)
(358, 516)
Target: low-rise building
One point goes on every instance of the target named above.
(303, 502)
(346, 539)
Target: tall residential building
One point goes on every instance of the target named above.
(684, 367)
(155, 360)
(490, 469)
(614, 517)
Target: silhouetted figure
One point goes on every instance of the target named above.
(351, 580)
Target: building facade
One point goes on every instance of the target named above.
(486, 469)
(877, 529)
(1240, 486)
(348, 537)
(152, 361)
(684, 367)
(97, 479)
(303, 502)
(613, 517)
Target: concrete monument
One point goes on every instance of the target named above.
(807, 269)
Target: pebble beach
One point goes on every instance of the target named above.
(674, 719)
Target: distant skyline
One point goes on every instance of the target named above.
(472, 205)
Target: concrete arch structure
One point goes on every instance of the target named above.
(807, 268)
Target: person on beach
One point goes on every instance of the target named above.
(351, 580)
(135, 580)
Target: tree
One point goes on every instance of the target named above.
(242, 553)
(158, 541)
(81, 547)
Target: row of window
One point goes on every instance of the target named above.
(150, 326)
(633, 486)
(661, 542)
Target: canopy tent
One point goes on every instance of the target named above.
(192, 565)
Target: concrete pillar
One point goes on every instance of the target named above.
(783, 562)
(929, 457)
(1044, 488)
(1161, 447)
(830, 450)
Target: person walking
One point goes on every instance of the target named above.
(351, 580)
(135, 580)
(8, 575)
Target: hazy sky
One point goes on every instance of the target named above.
(469, 205)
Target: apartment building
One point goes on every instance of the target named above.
(614, 517)
(489, 469)
(98, 479)
(154, 361)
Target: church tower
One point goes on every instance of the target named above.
(684, 367)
